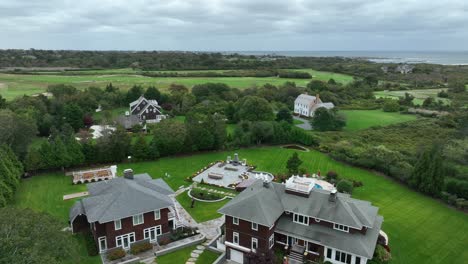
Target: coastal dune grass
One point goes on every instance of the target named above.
(421, 229)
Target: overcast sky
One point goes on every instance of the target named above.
(219, 25)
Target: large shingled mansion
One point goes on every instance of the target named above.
(311, 223)
(306, 105)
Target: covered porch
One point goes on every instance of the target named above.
(299, 249)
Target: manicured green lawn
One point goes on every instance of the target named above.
(362, 119)
(14, 85)
(182, 255)
(207, 257)
(202, 211)
(179, 256)
(421, 229)
(419, 95)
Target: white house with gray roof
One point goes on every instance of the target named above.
(308, 222)
(125, 210)
(306, 105)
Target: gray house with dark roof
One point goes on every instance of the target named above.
(309, 223)
(148, 111)
(124, 210)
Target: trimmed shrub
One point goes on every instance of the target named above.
(91, 246)
(140, 247)
(345, 186)
(205, 195)
(357, 184)
(332, 175)
(117, 253)
(164, 241)
(391, 106)
(381, 254)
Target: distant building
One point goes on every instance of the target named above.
(148, 111)
(125, 210)
(404, 68)
(308, 223)
(305, 105)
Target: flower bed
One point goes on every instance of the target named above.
(205, 195)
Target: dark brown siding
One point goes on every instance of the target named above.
(246, 233)
(108, 229)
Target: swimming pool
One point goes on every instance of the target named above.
(317, 186)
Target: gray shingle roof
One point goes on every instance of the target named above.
(355, 243)
(265, 206)
(305, 99)
(257, 204)
(120, 197)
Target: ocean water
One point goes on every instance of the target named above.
(435, 57)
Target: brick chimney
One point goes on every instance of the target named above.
(128, 174)
(333, 195)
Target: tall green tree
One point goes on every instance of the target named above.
(293, 163)
(169, 137)
(140, 149)
(10, 173)
(16, 131)
(134, 93)
(73, 115)
(152, 93)
(284, 115)
(2, 102)
(428, 172)
(326, 120)
(254, 108)
(51, 245)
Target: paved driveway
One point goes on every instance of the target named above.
(305, 125)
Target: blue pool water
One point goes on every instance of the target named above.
(316, 186)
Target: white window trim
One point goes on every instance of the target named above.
(235, 221)
(271, 240)
(142, 219)
(157, 232)
(341, 228)
(256, 228)
(252, 244)
(101, 250)
(120, 224)
(129, 242)
(234, 235)
(305, 217)
(157, 215)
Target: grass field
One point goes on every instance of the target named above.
(419, 95)
(362, 119)
(14, 85)
(202, 211)
(421, 229)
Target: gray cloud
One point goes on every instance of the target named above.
(234, 24)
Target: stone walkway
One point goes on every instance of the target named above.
(196, 253)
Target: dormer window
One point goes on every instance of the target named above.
(341, 227)
(301, 219)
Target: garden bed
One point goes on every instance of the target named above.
(205, 196)
(296, 147)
